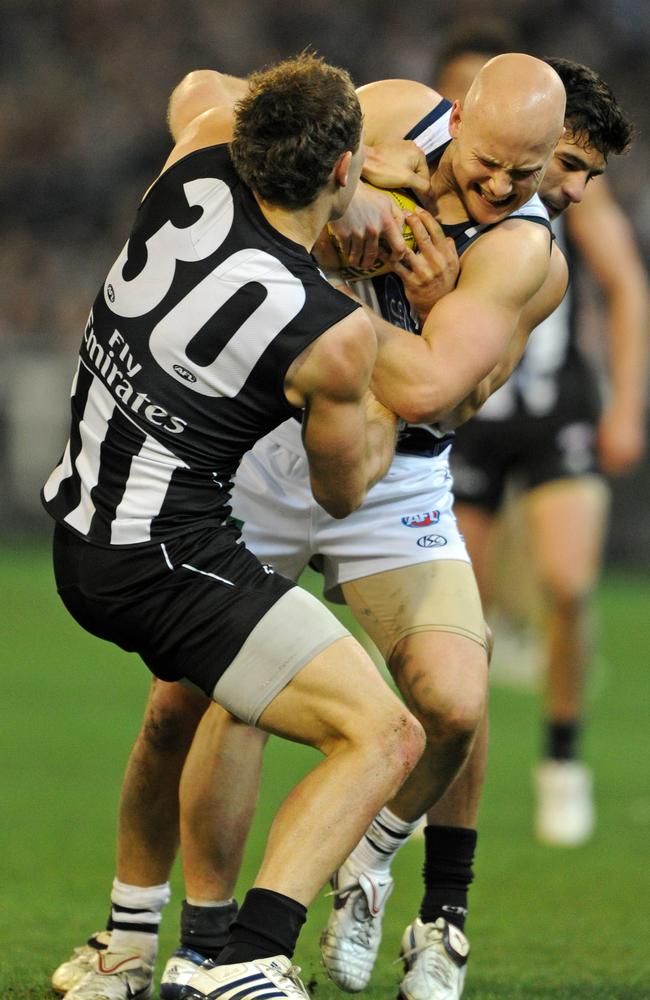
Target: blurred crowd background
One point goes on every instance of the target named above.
(84, 94)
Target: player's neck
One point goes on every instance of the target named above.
(302, 225)
(443, 185)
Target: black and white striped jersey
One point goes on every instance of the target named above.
(554, 375)
(183, 359)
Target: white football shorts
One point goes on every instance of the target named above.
(406, 518)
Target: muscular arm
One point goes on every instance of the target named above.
(540, 307)
(392, 107)
(349, 437)
(605, 238)
(200, 91)
(467, 331)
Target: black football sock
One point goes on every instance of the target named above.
(561, 740)
(267, 924)
(205, 929)
(448, 858)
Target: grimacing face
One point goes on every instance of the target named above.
(573, 164)
(494, 176)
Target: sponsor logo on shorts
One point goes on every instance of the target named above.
(421, 520)
(431, 541)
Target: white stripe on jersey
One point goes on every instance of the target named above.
(92, 430)
(366, 292)
(535, 207)
(63, 471)
(146, 488)
(150, 473)
(435, 135)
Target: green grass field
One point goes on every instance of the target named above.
(545, 924)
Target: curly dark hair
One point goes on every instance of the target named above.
(592, 112)
(299, 116)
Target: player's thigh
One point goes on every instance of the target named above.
(567, 520)
(338, 695)
(476, 525)
(427, 622)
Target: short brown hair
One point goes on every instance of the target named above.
(592, 112)
(299, 116)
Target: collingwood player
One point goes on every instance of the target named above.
(212, 327)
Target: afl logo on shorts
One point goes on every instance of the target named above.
(421, 520)
(183, 372)
(431, 541)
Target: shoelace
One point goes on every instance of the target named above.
(345, 891)
(293, 975)
(437, 965)
(364, 931)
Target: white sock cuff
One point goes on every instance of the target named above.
(212, 903)
(393, 822)
(137, 897)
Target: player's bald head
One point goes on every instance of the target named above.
(517, 93)
(505, 131)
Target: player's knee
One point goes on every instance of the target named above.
(396, 738)
(171, 720)
(450, 725)
(569, 590)
(401, 744)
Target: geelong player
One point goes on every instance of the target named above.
(212, 327)
(545, 430)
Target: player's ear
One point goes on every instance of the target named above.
(342, 168)
(455, 119)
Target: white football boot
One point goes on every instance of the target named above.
(120, 975)
(435, 961)
(82, 961)
(270, 977)
(350, 942)
(565, 810)
(179, 970)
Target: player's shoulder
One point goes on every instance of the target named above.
(558, 273)
(393, 107)
(528, 229)
(336, 359)
(512, 236)
(350, 334)
(336, 364)
(511, 258)
(211, 128)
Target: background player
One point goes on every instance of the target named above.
(547, 432)
(213, 325)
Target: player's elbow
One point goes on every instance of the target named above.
(340, 494)
(339, 505)
(423, 405)
(198, 91)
